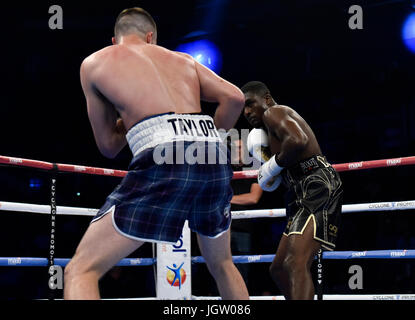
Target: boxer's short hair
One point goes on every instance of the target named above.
(255, 87)
(134, 20)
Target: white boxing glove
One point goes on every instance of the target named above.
(269, 177)
(257, 145)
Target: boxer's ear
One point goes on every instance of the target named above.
(268, 100)
(150, 38)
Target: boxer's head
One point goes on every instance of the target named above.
(135, 21)
(257, 100)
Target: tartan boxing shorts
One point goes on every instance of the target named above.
(154, 199)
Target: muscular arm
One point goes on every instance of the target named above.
(215, 89)
(249, 198)
(109, 131)
(293, 139)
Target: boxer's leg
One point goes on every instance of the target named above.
(278, 273)
(291, 268)
(99, 250)
(217, 253)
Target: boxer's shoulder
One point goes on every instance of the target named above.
(177, 57)
(184, 55)
(275, 113)
(104, 61)
(93, 58)
(109, 54)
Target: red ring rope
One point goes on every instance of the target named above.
(362, 165)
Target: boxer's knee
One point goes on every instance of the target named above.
(288, 267)
(78, 268)
(218, 269)
(70, 273)
(295, 265)
(278, 270)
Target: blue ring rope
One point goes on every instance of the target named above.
(43, 262)
(336, 255)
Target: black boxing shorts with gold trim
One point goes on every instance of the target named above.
(315, 192)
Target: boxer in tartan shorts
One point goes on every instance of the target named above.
(149, 97)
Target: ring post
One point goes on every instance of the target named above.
(51, 254)
(320, 283)
(174, 269)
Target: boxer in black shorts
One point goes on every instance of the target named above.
(315, 192)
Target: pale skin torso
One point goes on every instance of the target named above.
(127, 82)
(155, 90)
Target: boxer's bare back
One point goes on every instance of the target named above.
(136, 79)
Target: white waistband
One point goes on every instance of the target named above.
(171, 127)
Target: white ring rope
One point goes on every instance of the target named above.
(327, 297)
(400, 297)
(263, 213)
(45, 209)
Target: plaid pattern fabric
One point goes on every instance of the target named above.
(153, 201)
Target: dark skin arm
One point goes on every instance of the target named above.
(291, 140)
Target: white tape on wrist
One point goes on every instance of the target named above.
(269, 177)
(274, 167)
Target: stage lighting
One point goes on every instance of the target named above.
(408, 32)
(35, 183)
(204, 52)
